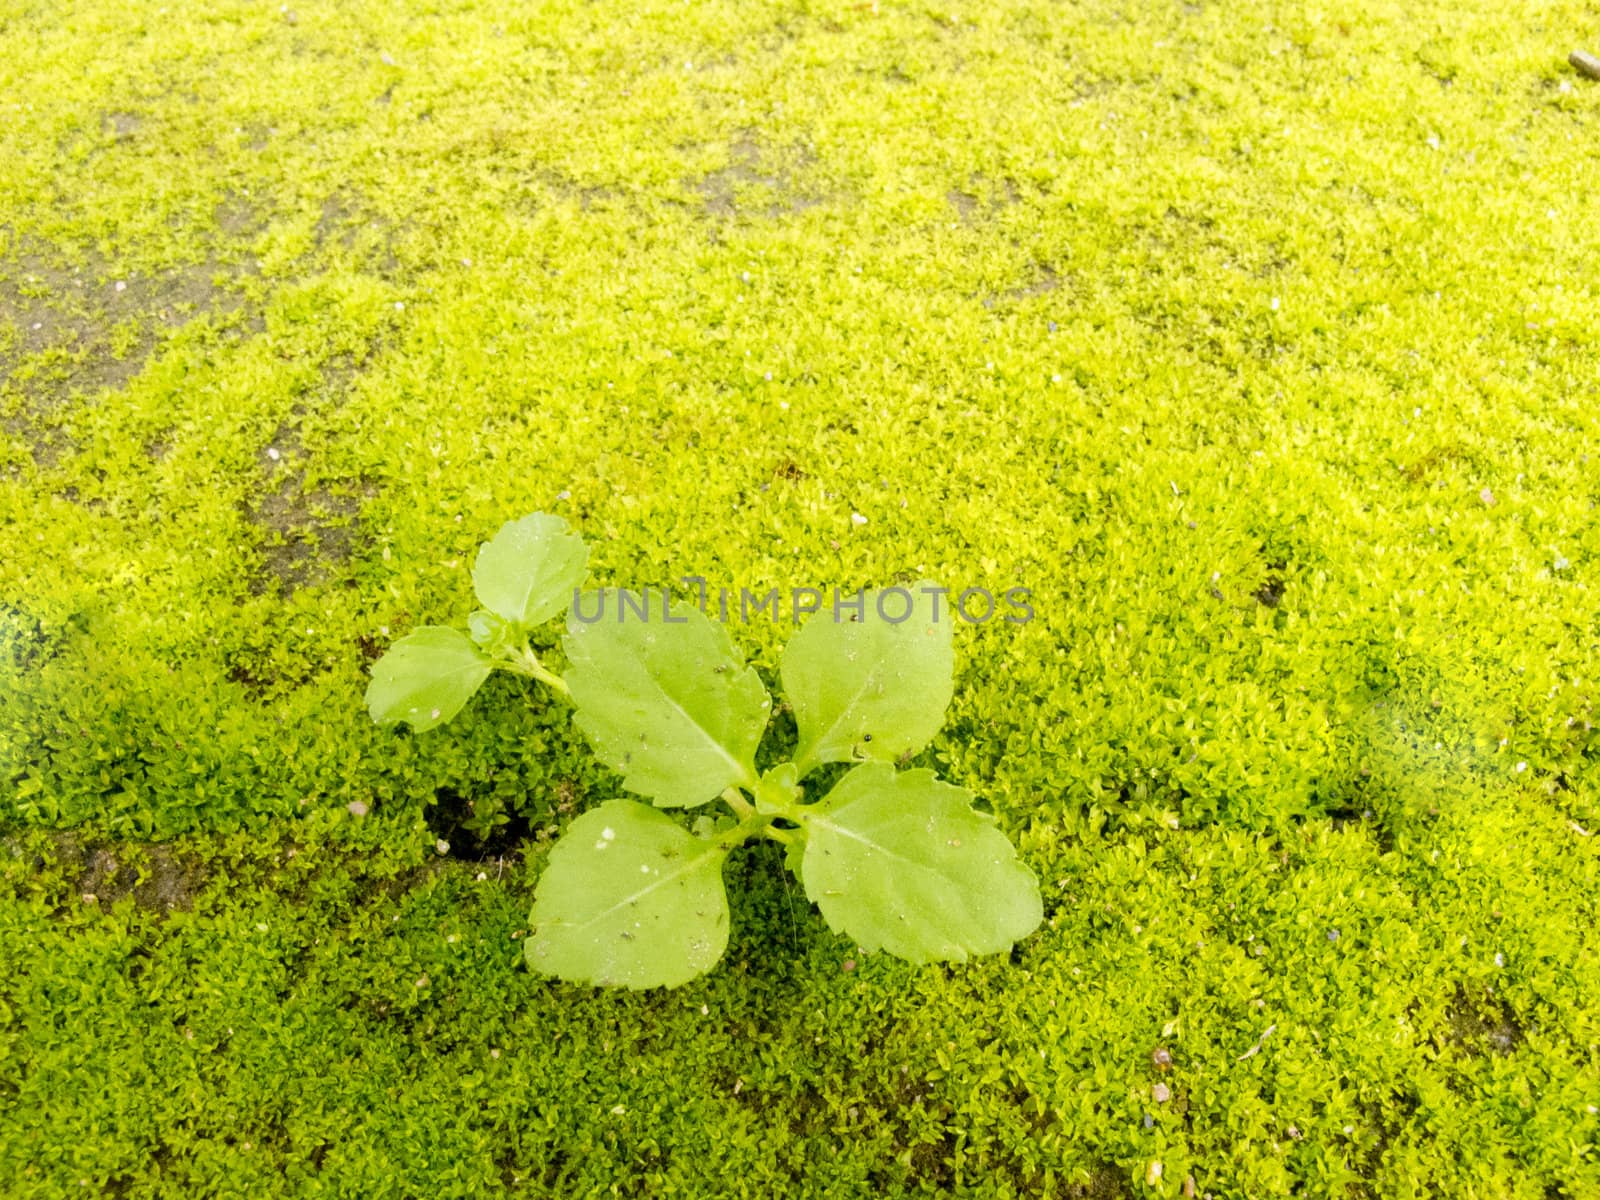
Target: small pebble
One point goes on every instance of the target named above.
(857, 519)
(442, 846)
(1161, 1058)
(1161, 1093)
(849, 964)
(121, 287)
(357, 808)
(386, 58)
(1486, 496)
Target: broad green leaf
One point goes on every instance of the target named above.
(871, 689)
(904, 863)
(668, 703)
(527, 572)
(426, 678)
(629, 899)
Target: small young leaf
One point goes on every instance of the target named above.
(485, 627)
(667, 702)
(629, 899)
(498, 637)
(871, 689)
(904, 863)
(527, 572)
(426, 678)
(778, 791)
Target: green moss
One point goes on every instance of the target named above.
(1256, 341)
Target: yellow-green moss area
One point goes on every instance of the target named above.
(1258, 339)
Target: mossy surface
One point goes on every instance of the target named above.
(1258, 340)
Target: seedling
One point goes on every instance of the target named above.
(896, 859)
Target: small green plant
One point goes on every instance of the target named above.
(895, 859)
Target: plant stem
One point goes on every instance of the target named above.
(803, 762)
(530, 666)
(735, 800)
(746, 829)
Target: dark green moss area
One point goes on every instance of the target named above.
(229, 1017)
(1257, 340)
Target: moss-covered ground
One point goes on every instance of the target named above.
(1258, 339)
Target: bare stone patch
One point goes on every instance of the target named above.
(311, 531)
(308, 530)
(982, 198)
(256, 136)
(1482, 1023)
(965, 204)
(121, 125)
(753, 175)
(1046, 282)
(157, 878)
(349, 223)
(586, 196)
(76, 330)
(239, 217)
